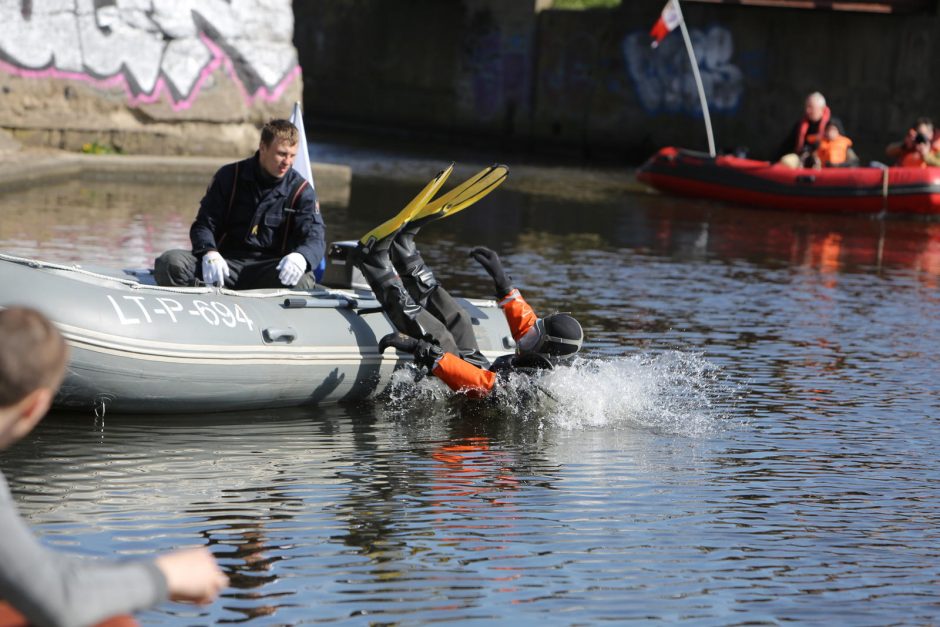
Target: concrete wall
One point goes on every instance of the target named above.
(154, 76)
(198, 77)
(588, 81)
(436, 66)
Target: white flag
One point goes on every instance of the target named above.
(302, 162)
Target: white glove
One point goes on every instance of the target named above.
(214, 269)
(292, 267)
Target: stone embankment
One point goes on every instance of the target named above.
(26, 166)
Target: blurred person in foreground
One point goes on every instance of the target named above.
(41, 586)
(258, 225)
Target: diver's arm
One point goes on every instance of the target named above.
(464, 377)
(519, 315)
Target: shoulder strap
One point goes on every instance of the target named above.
(303, 183)
(293, 201)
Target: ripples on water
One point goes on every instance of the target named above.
(750, 436)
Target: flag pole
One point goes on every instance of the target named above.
(302, 166)
(698, 80)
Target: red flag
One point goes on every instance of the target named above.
(667, 22)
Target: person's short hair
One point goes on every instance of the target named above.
(818, 98)
(922, 120)
(279, 131)
(32, 354)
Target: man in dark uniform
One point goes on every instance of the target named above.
(259, 224)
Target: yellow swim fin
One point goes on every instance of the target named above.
(484, 186)
(391, 226)
(465, 194)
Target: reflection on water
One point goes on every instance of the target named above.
(97, 222)
(750, 437)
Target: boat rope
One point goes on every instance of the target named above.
(884, 190)
(137, 285)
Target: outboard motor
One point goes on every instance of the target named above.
(341, 272)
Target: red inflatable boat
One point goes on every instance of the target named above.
(775, 186)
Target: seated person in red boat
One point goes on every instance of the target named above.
(919, 148)
(798, 148)
(433, 327)
(258, 225)
(835, 149)
(41, 586)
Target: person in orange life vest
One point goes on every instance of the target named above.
(539, 341)
(835, 149)
(805, 136)
(919, 148)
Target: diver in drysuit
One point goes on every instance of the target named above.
(430, 324)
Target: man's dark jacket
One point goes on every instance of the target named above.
(255, 219)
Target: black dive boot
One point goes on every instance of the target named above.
(415, 274)
(406, 315)
(427, 291)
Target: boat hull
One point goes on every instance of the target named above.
(761, 184)
(139, 348)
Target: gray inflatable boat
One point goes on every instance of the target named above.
(140, 348)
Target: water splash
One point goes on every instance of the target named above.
(672, 393)
(410, 392)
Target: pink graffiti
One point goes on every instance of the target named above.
(218, 59)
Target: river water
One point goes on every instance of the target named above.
(749, 438)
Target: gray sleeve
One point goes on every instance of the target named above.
(57, 589)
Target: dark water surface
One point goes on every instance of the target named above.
(751, 437)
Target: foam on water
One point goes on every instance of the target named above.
(409, 385)
(672, 392)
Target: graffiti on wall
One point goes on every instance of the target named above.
(663, 79)
(497, 63)
(152, 48)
